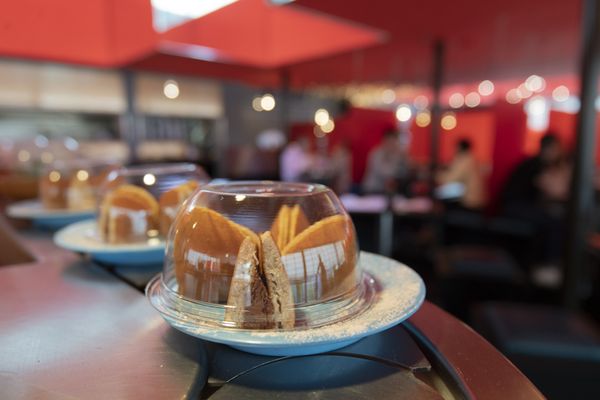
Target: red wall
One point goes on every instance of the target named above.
(499, 136)
(363, 129)
(477, 126)
(509, 141)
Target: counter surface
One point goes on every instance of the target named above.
(72, 329)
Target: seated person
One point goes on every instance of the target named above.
(387, 163)
(535, 193)
(465, 171)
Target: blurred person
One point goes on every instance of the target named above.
(536, 192)
(522, 188)
(386, 165)
(464, 170)
(296, 160)
(340, 164)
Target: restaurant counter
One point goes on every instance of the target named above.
(70, 328)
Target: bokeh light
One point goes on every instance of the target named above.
(403, 113)
(456, 100)
(448, 121)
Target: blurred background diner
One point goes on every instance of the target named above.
(453, 132)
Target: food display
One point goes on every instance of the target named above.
(264, 255)
(128, 213)
(170, 201)
(138, 203)
(72, 185)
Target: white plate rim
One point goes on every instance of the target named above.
(33, 209)
(63, 238)
(404, 277)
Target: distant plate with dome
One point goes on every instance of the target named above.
(47, 218)
(82, 237)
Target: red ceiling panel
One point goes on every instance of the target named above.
(132, 35)
(253, 32)
(55, 30)
(93, 32)
(484, 39)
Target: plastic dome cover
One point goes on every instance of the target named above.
(73, 184)
(263, 255)
(140, 203)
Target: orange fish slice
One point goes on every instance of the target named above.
(290, 221)
(298, 222)
(171, 200)
(279, 227)
(210, 233)
(328, 230)
(204, 234)
(129, 197)
(178, 194)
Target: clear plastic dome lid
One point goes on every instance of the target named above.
(140, 203)
(73, 184)
(33, 155)
(263, 255)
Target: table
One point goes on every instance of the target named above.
(72, 329)
(384, 209)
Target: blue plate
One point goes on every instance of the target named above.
(82, 237)
(45, 218)
(398, 293)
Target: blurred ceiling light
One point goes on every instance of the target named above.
(192, 9)
(536, 106)
(70, 143)
(270, 139)
(23, 155)
(456, 100)
(149, 179)
(561, 93)
(169, 13)
(472, 99)
(388, 96)
(403, 113)
(321, 116)
(538, 113)
(54, 176)
(171, 89)
(448, 121)
(47, 157)
(421, 102)
(240, 197)
(486, 88)
(41, 141)
(512, 96)
(328, 127)
(523, 92)
(267, 102)
(82, 175)
(571, 105)
(153, 233)
(256, 104)
(423, 119)
(535, 83)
